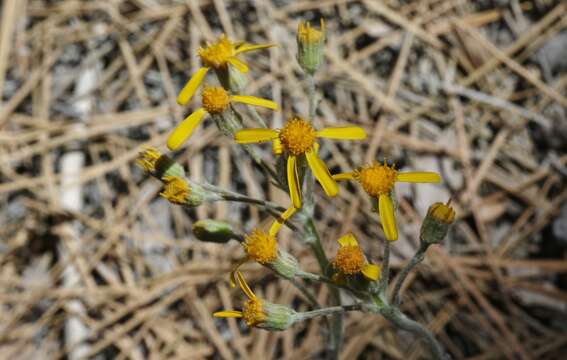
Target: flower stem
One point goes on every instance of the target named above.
(401, 321)
(385, 268)
(416, 259)
(329, 311)
(312, 96)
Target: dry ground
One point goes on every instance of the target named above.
(473, 89)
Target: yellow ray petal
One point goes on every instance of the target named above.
(228, 314)
(419, 177)
(277, 147)
(249, 136)
(189, 89)
(344, 132)
(256, 101)
(347, 240)
(371, 271)
(293, 182)
(239, 65)
(386, 209)
(244, 286)
(235, 269)
(250, 47)
(322, 173)
(185, 129)
(277, 224)
(344, 176)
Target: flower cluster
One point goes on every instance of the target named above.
(296, 143)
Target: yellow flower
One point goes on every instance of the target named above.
(262, 246)
(350, 259)
(215, 101)
(217, 56)
(378, 181)
(176, 190)
(308, 35)
(252, 311)
(298, 138)
(148, 158)
(259, 313)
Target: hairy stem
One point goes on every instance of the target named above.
(329, 311)
(416, 259)
(401, 321)
(312, 96)
(385, 268)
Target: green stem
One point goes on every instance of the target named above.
(329, 311)
(401, 321)
(385, 268)
(416, 259)
(306, 292)
(314, 241)
(257, 117)
(312, 96)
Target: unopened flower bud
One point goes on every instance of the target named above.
(276, 317)
(285, 265)
(178, 191)
(158, 164)
(215, 231)
(310, 43)
(437, 223)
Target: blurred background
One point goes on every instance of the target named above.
(95, 264)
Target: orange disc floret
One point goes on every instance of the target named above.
(216, 55)
(253, 312)
(349, 259)
(261, 246)
(297, 136)
(215, 99)
(376, 179)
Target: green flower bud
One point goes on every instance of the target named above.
(159, 165)
(437, 223)
(285, 265)
(276, 317)
(310, 46)
(215, 231)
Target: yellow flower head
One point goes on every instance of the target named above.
(350, 259)
(253, 309)
(148, 158)
(308, 35)
(215, 99)
(261, 246)
(259, 313)
(253, 312)
(298, 138)
(376, 179)
(217, 55)
(176, 190)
